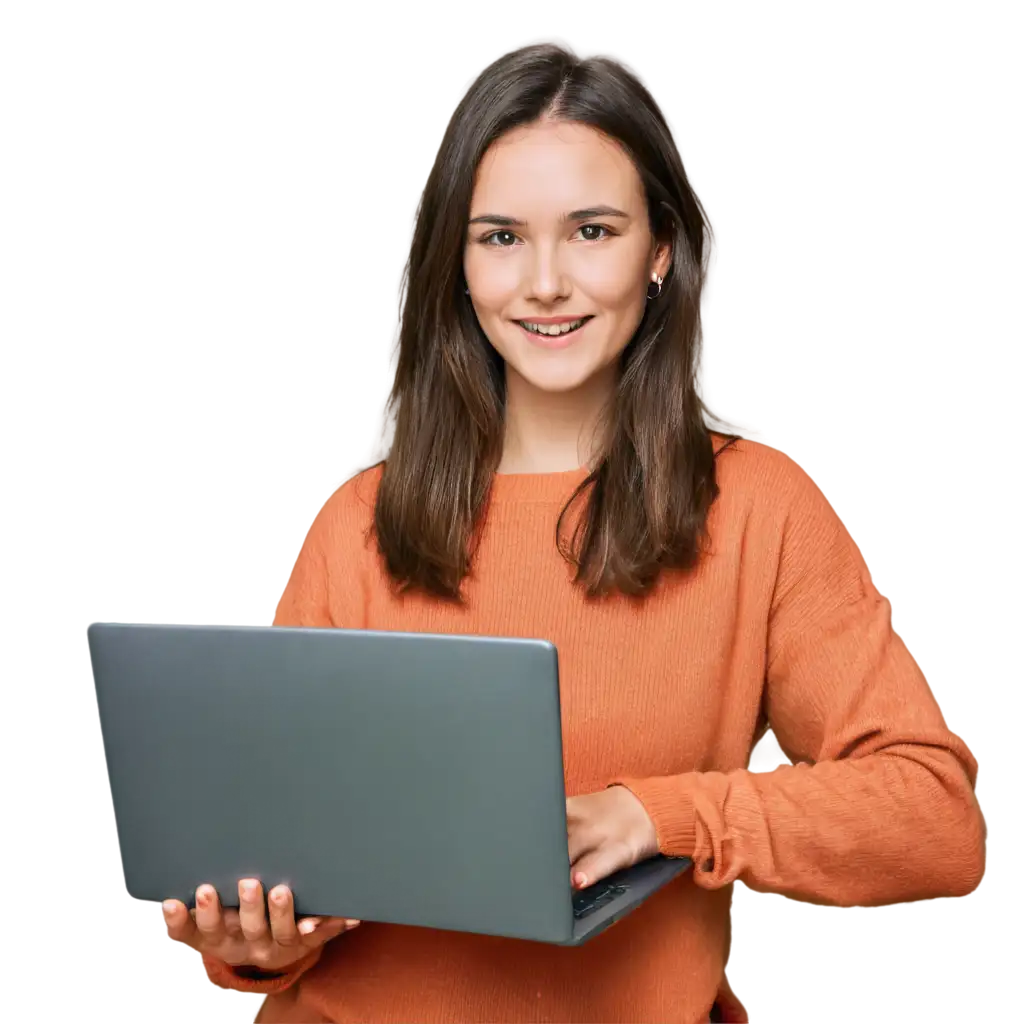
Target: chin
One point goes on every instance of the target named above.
(555, 379)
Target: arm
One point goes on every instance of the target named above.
(310, 599)
(879, 805)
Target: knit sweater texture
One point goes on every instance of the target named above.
(779, 626)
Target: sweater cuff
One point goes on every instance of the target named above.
(668, 800)
(224, 975)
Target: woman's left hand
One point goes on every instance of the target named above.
(608, 830)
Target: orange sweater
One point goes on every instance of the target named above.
(779, 626)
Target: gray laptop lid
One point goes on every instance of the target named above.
(436, 761)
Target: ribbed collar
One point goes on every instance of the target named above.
(517, 488)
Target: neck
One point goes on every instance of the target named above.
(548, 432)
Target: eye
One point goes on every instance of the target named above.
(501, 239)
(593, 236)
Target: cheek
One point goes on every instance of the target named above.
(613, 285)
(493, 279)
(612, 298)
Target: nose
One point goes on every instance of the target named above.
(547, 281)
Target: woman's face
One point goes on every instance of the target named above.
(558, 234)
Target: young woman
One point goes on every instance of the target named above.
(553, 474)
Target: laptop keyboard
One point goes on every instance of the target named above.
(586, 901)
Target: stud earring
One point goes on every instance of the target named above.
(654, 280)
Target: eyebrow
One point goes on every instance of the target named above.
(576, 215)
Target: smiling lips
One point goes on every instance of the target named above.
(553, 328)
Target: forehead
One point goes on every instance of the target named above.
(550, 168)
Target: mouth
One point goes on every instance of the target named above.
(553, 333)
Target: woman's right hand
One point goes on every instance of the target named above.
(244, 937)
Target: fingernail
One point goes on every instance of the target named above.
(581, 880)
(278, 896)
(249, 889)
(306, 927)
(169, 906)
(351, 923)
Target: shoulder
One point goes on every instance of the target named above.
(357, 496)
(750, 470)
(774, 512)
(324, 587)
(346, 517)
(766, 494)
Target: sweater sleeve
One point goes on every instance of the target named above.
(266, 983)
(325, 591)
(878, 806)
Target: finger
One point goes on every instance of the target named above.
(599, 863)
(209, 920)
(251, 914)
(282, 916)
(180, 925)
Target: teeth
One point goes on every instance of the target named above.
(553, 330)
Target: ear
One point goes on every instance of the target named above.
(662, 259)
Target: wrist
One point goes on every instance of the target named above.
(645, 833)
(669, 803)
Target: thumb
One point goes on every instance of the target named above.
(600, 863)
(327, 929)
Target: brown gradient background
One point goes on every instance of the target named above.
(199, 216)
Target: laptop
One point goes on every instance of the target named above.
(407, 778)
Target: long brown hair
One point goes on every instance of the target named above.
(649, 493)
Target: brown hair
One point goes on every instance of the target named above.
(651, 489)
